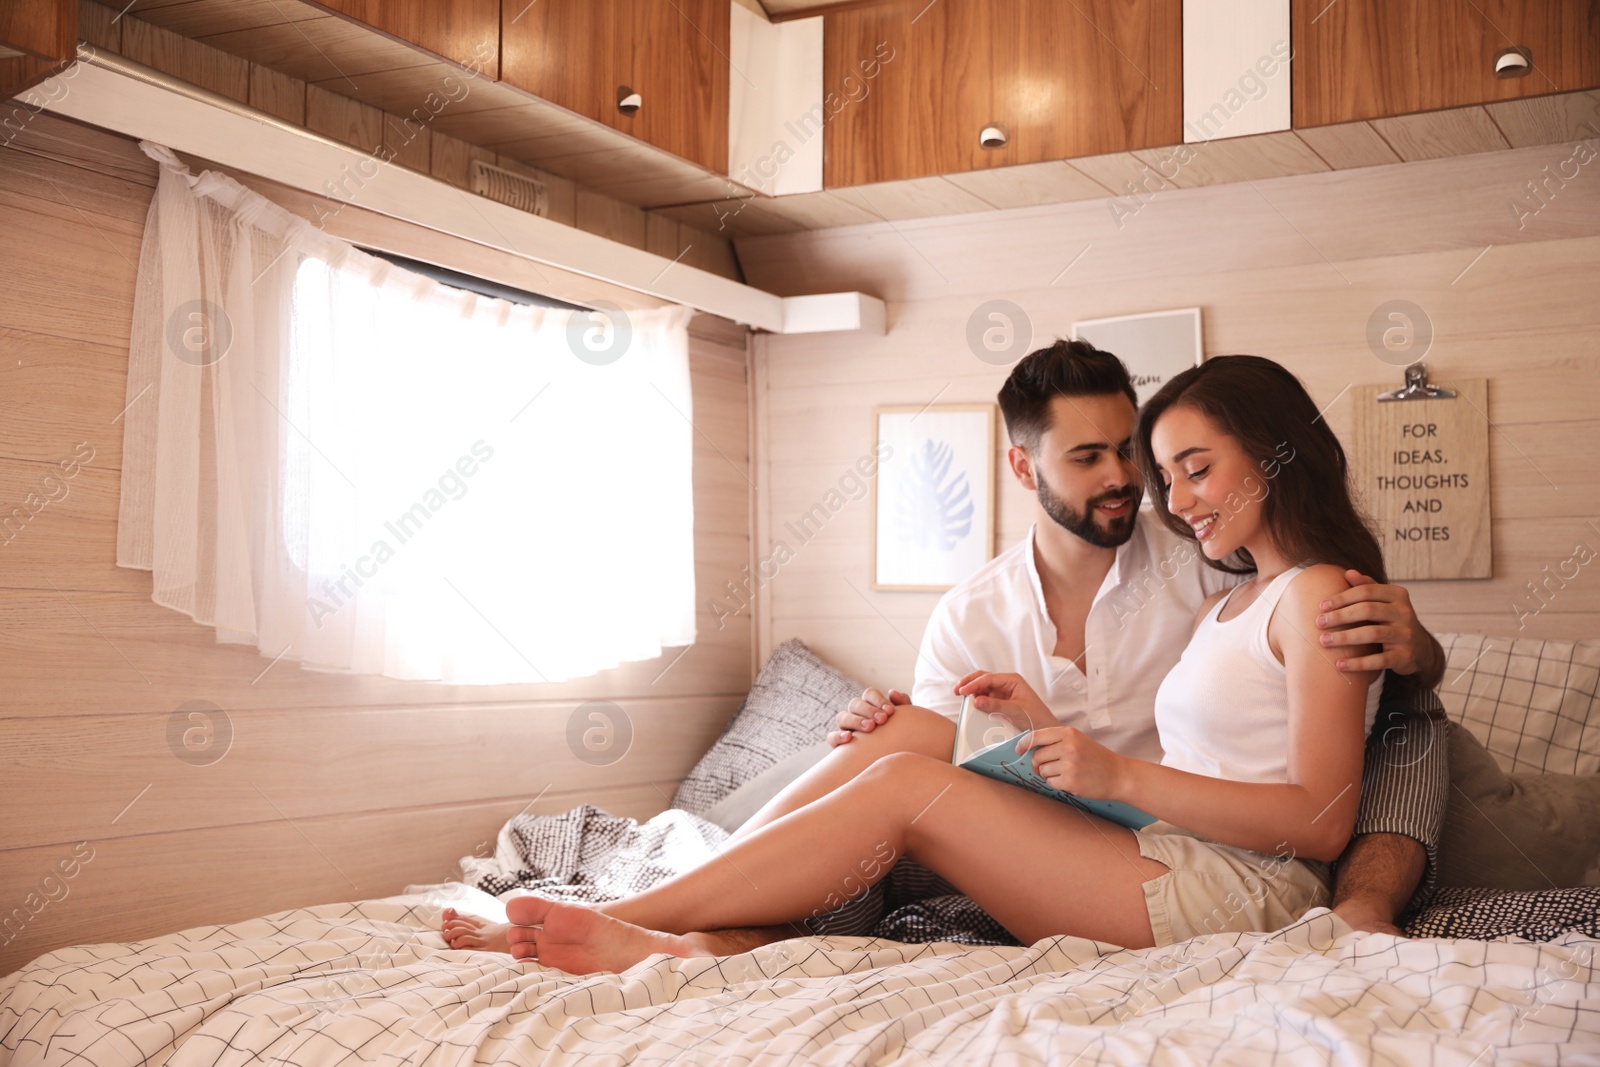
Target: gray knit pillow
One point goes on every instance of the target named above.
(791, 707)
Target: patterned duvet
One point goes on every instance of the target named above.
(372, 983)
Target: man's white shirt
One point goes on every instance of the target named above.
(1136, 630)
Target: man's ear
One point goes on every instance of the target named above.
(1022, 467)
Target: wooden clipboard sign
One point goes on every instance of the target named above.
(1420, 464)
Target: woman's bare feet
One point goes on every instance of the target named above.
(471, 932)
(580, 940)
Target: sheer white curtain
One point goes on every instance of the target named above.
(344, 463)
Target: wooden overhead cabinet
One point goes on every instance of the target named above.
(671, 57)
(36, 37)
(910, 87)
(466, 31)
(1364, 59)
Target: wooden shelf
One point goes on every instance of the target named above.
(333, 52)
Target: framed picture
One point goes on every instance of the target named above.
(933, 499)
(1154, 346)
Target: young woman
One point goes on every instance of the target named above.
(1263, 739)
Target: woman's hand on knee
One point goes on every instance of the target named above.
(865, 713)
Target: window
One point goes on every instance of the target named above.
(410, 479)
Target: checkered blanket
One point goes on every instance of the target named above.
(372, 983)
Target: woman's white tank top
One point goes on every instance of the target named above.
(1223, 711)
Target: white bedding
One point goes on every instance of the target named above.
(372, 983)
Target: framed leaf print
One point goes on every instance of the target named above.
(933, 499)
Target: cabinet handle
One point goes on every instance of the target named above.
(628, 101)
(1514, 62)
(993, 136)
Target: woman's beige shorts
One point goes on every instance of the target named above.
(1213, 888)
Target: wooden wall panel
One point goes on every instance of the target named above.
(1361, 59)
(1321, 220)
(909, 85)
(391, 781)
(193, 62)
(356, 124)
(1291, 268)
(278, 94)
(77, 773)
(135, 887)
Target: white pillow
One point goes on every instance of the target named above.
(735, 809)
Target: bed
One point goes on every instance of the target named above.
(372, 982)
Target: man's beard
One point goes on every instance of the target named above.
(1084, 523)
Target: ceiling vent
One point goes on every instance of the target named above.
(510, 188)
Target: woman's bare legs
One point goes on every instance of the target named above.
(909, 729)
(1038, 867)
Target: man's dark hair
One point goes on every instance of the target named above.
(1066, 368)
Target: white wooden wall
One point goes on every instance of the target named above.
(1289, 268)
(334, 788)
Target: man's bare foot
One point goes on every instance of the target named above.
(1367, 920)
(471, 932)
(580, 940)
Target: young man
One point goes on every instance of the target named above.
(1094, 607)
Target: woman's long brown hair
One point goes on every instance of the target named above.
(1308, 510)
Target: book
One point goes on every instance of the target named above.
(987, 744)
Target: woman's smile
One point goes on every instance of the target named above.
(1203, 525)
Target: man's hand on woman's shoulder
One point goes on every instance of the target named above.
(1380, 615)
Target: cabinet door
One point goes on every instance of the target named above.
(43, 29)
(908, 86)
(674, 54)
(36, 36)
(562, 51)
(1362, 59)
(467, 31)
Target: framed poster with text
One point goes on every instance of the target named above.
(1153, 346)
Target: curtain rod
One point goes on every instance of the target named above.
(113, 92)
(127, 68)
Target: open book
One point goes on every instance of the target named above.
(987, 743)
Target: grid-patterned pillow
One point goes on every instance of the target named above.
(1531, 703)
(791, 706)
